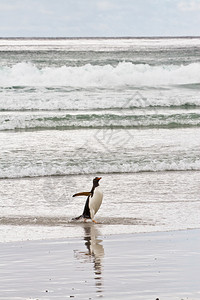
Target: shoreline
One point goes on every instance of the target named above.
(100, 235)
(145, 266)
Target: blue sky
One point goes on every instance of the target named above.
(80, 18)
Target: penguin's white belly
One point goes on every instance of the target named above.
(95, 201)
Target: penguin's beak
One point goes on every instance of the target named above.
(99, 178)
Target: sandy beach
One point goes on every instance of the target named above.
(161, 265)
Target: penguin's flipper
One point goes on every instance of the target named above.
(82, 194)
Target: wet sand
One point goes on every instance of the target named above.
(161, 265)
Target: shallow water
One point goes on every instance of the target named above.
(43, 207)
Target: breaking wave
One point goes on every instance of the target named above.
(185, 164)
(124, 74)
(154, 166)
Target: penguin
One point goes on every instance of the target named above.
(93, 202)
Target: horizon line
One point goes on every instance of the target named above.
(100, 37)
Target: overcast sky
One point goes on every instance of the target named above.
(80, 18)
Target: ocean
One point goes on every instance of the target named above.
(125, 109)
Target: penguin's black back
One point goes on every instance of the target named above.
(86, 211)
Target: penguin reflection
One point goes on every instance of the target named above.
(94, 253)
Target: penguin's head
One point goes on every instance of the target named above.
(96, 181)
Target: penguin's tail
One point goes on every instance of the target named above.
(77, 218)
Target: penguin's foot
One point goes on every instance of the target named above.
(85, 220)
(94, 221)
